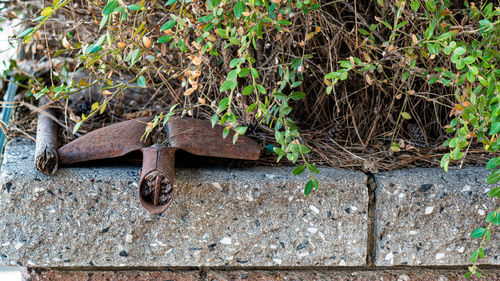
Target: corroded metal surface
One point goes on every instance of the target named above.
(157, 174)
(108, 142)
(197, 136)
(156, 192)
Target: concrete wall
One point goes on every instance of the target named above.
(231, 223)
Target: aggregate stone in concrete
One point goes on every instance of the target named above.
(219, 217)
(425, 216)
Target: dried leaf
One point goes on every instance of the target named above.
(367, 57)
(190, 90)
(368, 79)
(121, 44)
(146, 42)
(202, 101)
(414, 39)
(309, 36)
(192, 82)
(65, 43)
(197, 60)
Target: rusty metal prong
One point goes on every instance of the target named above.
(157, 178)
(156, 199)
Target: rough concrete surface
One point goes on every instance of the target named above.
(32, 274)
(243, 217)
(424, 217)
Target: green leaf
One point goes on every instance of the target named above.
(39, 18)
(227, 85)
(430, 5)
(474, 256)
(26, 32)
(494, 192)
(255, 73)
(490, 216)
(459, 51)
(251, 107)
(223, 105)
(225, 132)
(164, 39)
(495, 128)
(493, 163)
(279, 151)
(241, 130)
(308, 187)
(182, 45)
(415, 5)
(496, 221)
(47, 11)
(284, 22)
(487, 235)
(297, 95)
(244, 72)
(248, 90)
(313, 168)
(304, 149)
(104, 20)
(239, 8)
(332, 75)
(135, 7)
(481, 253)
(315, 184)
(134, 56)
(235, 138)
(110, 7)
(169, 24)
(93, 48)
(170, 2)
(141, 81)
(494, 177)
(406, 115)
(299, 170)
(469, 60)
(279, 96)
(214, 119)
(261, 89)
(478, 232)
(77, 127)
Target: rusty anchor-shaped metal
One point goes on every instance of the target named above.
(156, 183)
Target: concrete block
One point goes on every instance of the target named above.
(91, 216)
(424, 217)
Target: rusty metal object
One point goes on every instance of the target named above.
(108, 142)
(156, 185)
(157, 178)
(197, 136)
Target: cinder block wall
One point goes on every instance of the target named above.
(242, 224)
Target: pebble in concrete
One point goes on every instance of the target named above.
(425, 216)
(243, 217)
